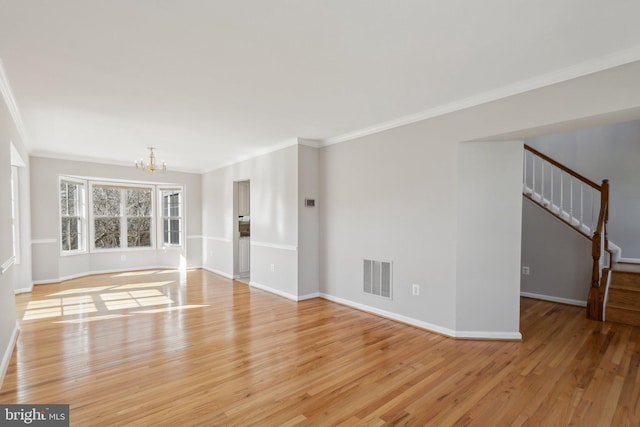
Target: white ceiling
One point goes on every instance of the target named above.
(212, 82)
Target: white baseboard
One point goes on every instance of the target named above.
(568, 301)
(23, 290)
(425, 325)
(8, 352)
(218, 272)
(274, 291)
(629, 260)
(117, 270)
(309, 296)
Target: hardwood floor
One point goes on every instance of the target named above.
(164, 348)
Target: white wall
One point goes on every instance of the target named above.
(394, 196)
(274, 219)
(50, 266)
(9, 275)
(558, 257)
(606, 152)
(308, 222)
(488, 239)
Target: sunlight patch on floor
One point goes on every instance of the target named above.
(94, 319)
(167, 309)
(80, 291)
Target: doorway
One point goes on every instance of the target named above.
(242, 230)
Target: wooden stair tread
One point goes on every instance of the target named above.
(624, 267)
(624, 286)
(624, 306)
(622, 315)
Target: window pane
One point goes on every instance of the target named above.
(64, 227)
(175, 238)
(138, 202)
(63, 198)
(138, 231)
(165, 204)
(174, 205)
(72, 197)
(74, 232)
(106, 201)
(107, 232)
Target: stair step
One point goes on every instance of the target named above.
(624, 298)
(625, 280)
(622, 315)
(625, 267)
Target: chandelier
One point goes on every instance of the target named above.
(151, 166)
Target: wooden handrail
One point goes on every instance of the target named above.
(563, 167)
(600, 238)
(596, 292)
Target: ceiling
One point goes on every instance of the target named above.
(211, 82)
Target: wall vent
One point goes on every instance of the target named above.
(377, 278)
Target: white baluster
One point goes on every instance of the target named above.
(533, 167)
(570, 201)
(561, 194)
(551, 205)
(592, 211)
(542, 182)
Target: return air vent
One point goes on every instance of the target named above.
(377, 278)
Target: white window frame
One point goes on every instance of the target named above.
(123, 186)
(161, 217)
(15, 214)
(82, 239)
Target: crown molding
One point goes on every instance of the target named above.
(279, 146)
(568, 73)
(9, 99)
(87, 159)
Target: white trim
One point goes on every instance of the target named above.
(629, 260)
(217, 239)
(393, 316)
(568, 301)
(9, 99)
(195, 237)
(309, 296)
(313, 143)
(16, 158)
(274, 246)
(279, 146)
(116, 270)
(606, 296)
(273, 291)
(23, 290)
(7, 264)
(218, 272)
(488, 335)
(102, 161)
(43, 241)
(8, 352)
(579, 70)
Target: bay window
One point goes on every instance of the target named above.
(119, 215)
(72, 216)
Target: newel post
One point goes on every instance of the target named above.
(596, 293)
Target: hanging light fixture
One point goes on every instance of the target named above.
(151, 166)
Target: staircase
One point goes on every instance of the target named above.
(581, 204)
(614, 292)
(623, 302)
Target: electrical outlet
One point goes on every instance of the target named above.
(525, 270)
(415, 289)
(273, 268)
(123, 257)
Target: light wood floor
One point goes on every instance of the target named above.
(158, 348)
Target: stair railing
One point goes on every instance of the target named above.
(575, 200)
(599, 248)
